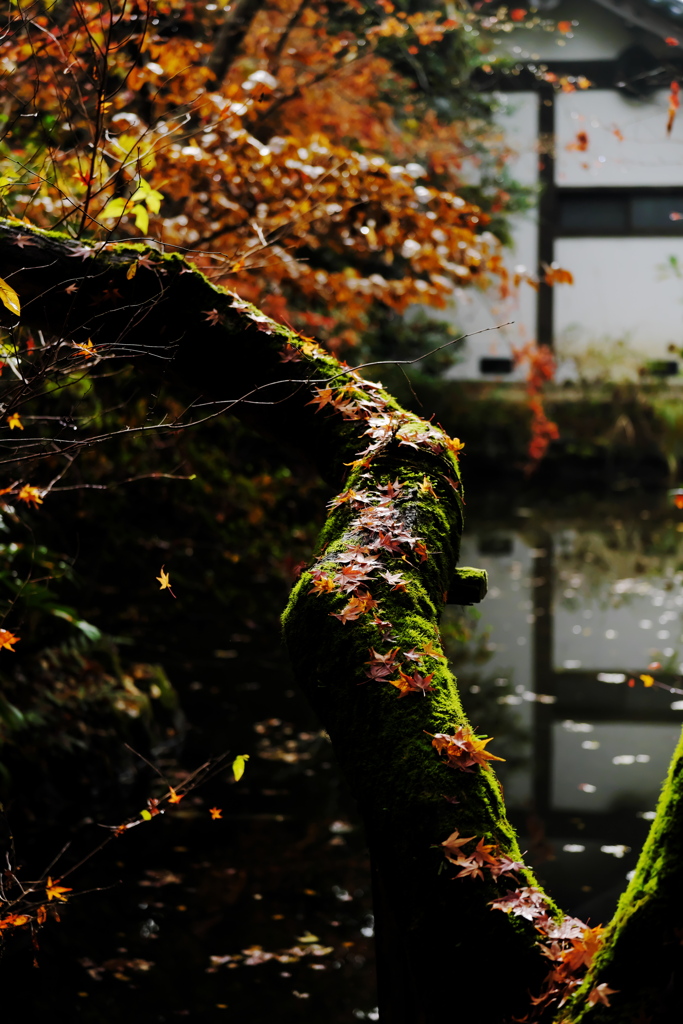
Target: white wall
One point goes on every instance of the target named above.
(624, 289)
(474, 310)
(627, 140)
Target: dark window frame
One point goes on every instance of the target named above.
(674, 230)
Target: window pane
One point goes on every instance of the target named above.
(653, 212)
(594, 213)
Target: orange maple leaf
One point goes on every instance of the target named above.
(323, 585)
(173, 797)
(323, 396)
(430, 651)
(14, 921)
(463, 749)
(216, 813)
(165, 581)
(56, 892)
(31, 495)
(7, 639)
(600, 993)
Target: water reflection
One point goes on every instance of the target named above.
(578, 606)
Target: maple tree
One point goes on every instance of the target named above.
(210, 132)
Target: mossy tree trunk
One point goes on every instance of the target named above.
(361, 626)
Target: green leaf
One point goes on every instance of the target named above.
(141, 218)
(238, 766)
(114, 209)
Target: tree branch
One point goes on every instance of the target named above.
(235, 26)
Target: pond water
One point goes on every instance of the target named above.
(584, 597)
(266, 914)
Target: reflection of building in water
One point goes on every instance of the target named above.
(601, 748)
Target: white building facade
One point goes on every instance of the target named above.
(609, 179)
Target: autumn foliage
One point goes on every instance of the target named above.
(304, 169)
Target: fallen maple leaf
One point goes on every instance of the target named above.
(323, 396)
(463, 749)
(430, 651)
(165, 581)
(323, 585)
(54, 891)
(600, 993)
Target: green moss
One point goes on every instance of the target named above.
(410, 799)
(642, 953)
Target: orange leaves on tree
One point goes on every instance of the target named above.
(263, 170)
(216, 813)
(674, 104)
(541, 369)
(556, 275)
(8, 639)
(173, 796)
(53, 891)
(30, 495)
(85, 348)
(14, 921)
(14, 421)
